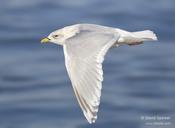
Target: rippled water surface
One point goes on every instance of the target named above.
(35, 91)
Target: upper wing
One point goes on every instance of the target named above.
(84, 54)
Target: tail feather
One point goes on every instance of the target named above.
(146, 35)
(135, 38)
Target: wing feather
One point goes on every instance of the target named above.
(84, 54)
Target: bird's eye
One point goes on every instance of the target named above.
(55, 36)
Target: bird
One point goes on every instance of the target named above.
(85, 46)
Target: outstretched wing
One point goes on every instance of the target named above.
(84, 54)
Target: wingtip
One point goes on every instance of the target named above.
(92, 121)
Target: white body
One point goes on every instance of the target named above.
(85, 46)
(125, 36)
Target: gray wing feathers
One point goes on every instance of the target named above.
(84, 55)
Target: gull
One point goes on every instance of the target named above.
(85, 46)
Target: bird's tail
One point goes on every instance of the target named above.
(135, 38)
(146, 35)
(139, 37)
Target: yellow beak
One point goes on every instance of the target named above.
(45, 40)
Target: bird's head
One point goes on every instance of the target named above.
(56, 37)
(59, 36)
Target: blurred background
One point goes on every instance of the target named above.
(139, 81)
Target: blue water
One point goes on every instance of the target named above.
(35, 91)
